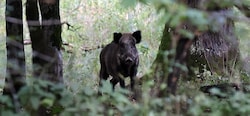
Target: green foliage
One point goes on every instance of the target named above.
(57, 99)
(175, 12)
(60, 101)
(234, 104)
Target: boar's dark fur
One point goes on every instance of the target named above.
(120, 59)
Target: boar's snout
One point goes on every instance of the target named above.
(129, 60)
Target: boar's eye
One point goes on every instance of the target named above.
(122, 44)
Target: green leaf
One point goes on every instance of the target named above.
(6, 100)
(106, 87)
(7, 113)
(35, 102)
(47, 102)
(187, 33)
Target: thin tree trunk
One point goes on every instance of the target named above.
(46, 42)
(161, 63)
(15, 73)
(32, 15)
(180, 58)
(172, 50)
(52, 37)
(46, 39)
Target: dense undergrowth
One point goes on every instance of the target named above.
(60, 101)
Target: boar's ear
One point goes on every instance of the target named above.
(137, 36)
(117, 37)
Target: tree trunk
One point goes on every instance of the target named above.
(218, 50)
(180, 60)
(46, 42)
(46, 39)
(223, 46)
(15, 73)
(161, 63)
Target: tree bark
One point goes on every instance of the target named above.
(161, 63)
(180, 60)
(218, 48)
(224, 44)
(15, 73)
(46, 39)
(46, 42)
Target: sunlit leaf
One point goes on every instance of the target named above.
(47, 102)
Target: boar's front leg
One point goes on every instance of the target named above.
(103, 74)
(114, 81)
(132, 77)
(122, 83)
(132, 82)
(117, 79)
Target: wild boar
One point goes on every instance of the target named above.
(120, 59)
